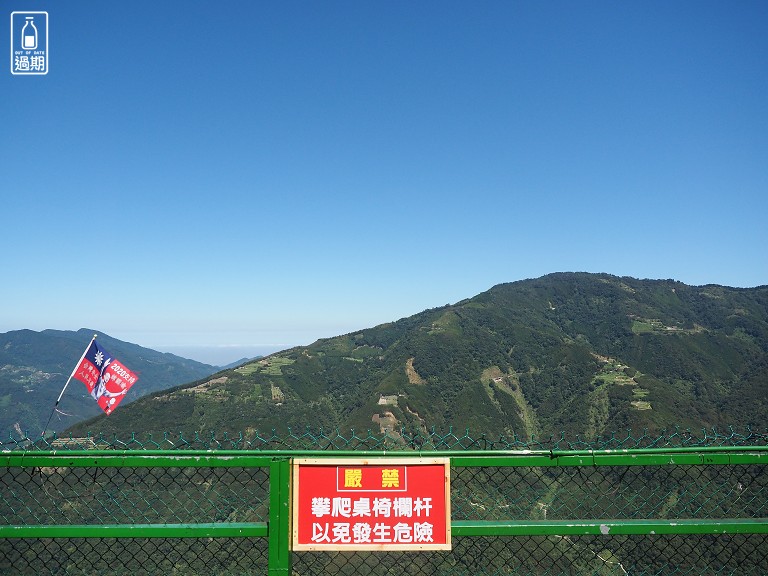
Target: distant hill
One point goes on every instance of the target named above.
(35, 365)
(584, 354)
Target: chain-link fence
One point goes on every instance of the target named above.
(677, 503)
(315, 440)
(622, 492)
(156, 516)
(134, 556)
(636, 555)
(129, 495)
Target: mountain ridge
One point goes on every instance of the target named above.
(577, 353)
(34, 367)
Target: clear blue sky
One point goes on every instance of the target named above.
(251, 173)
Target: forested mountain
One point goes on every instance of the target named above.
(34, 367)
(569, 352)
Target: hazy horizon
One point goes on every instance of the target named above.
(219, 355)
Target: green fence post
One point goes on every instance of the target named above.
(280, 517)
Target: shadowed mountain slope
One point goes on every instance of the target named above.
(34, 367)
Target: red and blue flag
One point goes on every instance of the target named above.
(107, 379)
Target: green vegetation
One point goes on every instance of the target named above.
(34, 367)
(272, 366)
(639, 327)
(582, 354)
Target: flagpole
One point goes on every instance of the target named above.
(67, 383)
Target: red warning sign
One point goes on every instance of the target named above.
(371, 504)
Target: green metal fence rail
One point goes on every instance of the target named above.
(646, 510)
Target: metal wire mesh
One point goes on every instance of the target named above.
(96, 495)
(560, 555)
(620, 492)
(134, 556)
(523, 555)
(311, 439)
